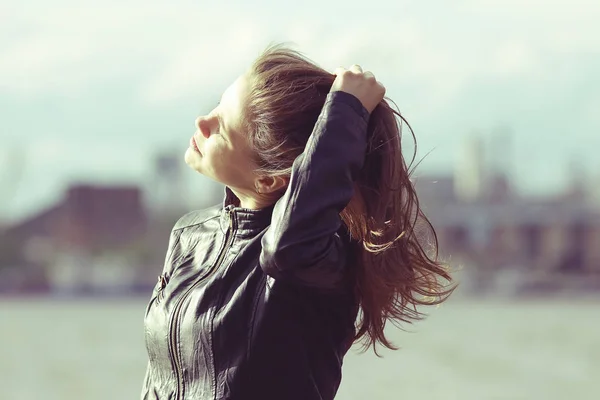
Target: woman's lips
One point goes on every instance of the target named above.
(193, 145)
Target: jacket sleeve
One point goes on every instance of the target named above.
(306, 239)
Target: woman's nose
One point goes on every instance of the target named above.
(203, 125)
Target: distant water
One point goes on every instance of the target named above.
(466, 350)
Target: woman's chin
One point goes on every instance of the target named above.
(192, 158)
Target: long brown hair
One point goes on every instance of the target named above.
(399, 268)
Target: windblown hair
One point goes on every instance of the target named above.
(398, 268)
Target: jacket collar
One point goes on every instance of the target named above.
(245, 221)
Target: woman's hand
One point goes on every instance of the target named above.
(362, 85)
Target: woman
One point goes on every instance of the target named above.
(314, 248)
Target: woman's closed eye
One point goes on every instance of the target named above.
(219, 128)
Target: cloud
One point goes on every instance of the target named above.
(202, 64)
(172, 51)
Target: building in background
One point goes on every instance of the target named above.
(113, 239)
(470, 170)
(545, 244)
(168, 189)
(173, 188)
(84, 243)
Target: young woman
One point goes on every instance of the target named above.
(317, 244)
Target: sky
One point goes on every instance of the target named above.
(91, 91)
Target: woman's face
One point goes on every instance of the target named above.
(219, 148)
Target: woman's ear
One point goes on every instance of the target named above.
(270, 184)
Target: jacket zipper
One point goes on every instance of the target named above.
(177, 309)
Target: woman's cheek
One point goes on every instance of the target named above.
(215, 160)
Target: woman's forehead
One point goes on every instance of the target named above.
(232, 103)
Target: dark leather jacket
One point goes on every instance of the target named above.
(259, 304)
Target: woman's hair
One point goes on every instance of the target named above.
(398, 268)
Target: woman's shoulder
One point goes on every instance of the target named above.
(198, 217)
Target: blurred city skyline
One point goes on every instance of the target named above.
(92, 93)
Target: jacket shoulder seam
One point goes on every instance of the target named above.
(181, 225)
